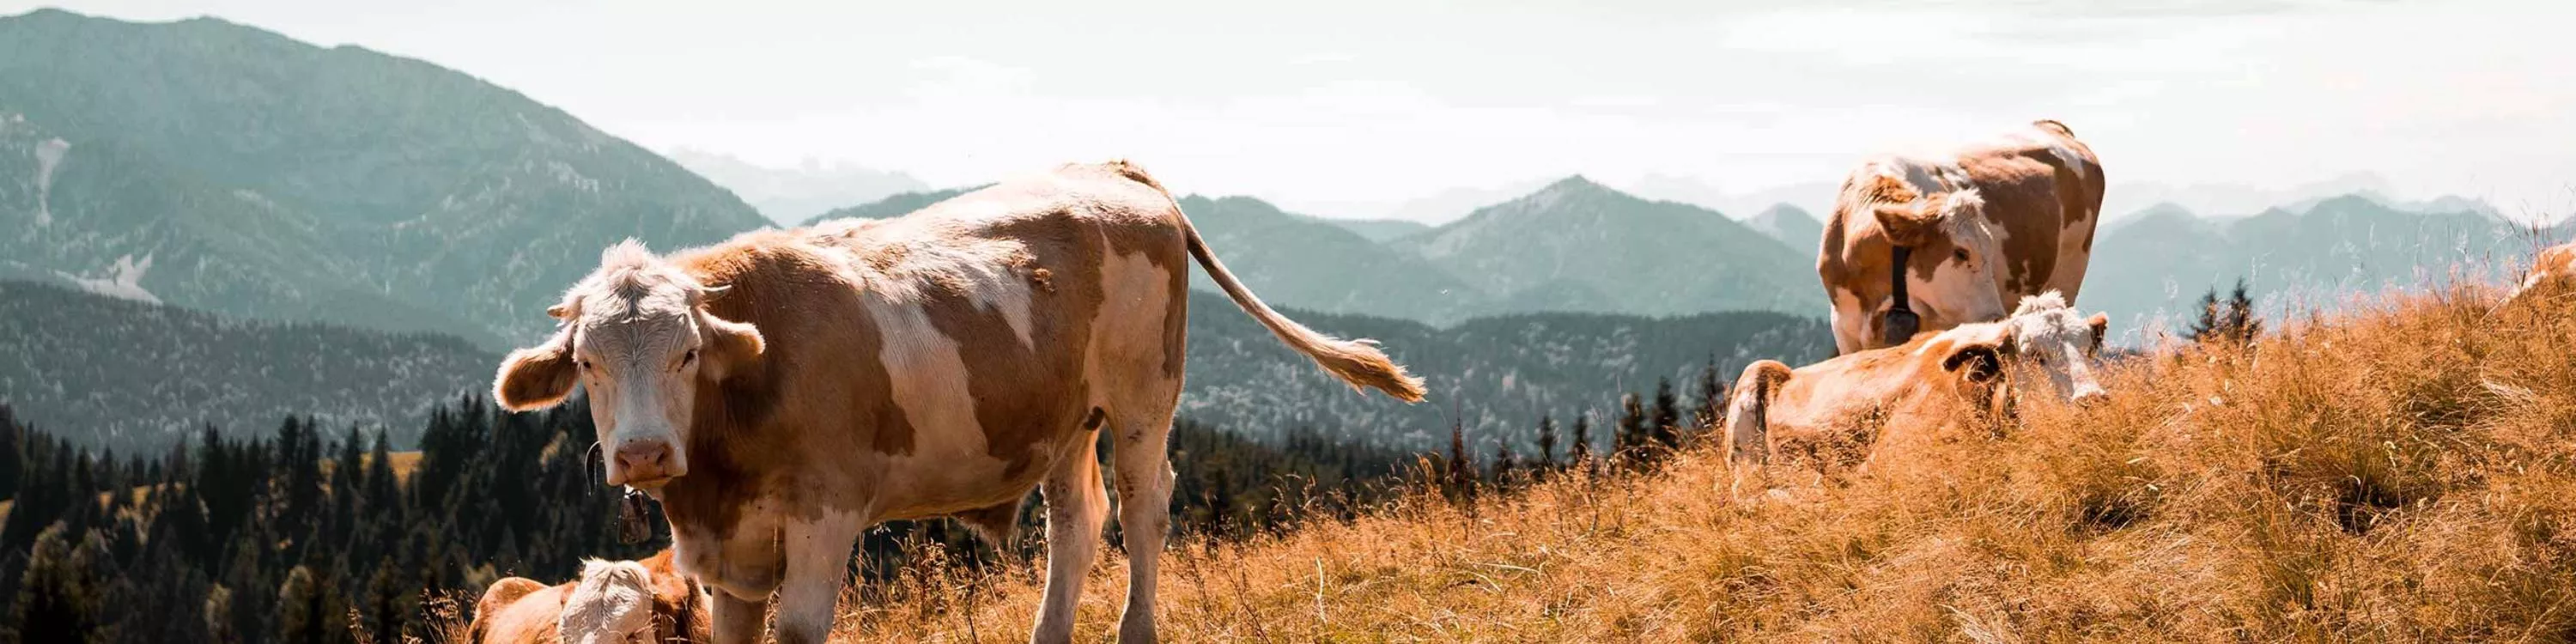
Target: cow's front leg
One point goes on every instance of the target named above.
(818, 563)
(737, 619)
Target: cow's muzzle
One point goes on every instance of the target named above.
(645, 462)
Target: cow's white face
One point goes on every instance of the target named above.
(612, 605)
(2052, 337)
(637, 337)
(1950, 232)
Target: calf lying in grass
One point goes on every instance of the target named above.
(614, 602)
(1840, 410)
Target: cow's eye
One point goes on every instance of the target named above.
(583, 364)
(686, 358)
(1960, 254)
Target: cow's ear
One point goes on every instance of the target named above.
(537, 377)
(1977, 362)
(731, 347)
(1908, 225)
(2101, 324)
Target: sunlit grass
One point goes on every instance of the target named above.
(2399, 473)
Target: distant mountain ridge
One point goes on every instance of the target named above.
(138, 376)
(1572, 246)
(224, 167)
(1582, 242)
(2155, 265)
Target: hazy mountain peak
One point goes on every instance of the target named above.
(1792, 225)
(2164, 209)
(1784, 210)
(1576, 184)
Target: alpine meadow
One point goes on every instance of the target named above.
(1987, 322)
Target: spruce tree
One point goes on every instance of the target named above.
(62, 597)
(1546, 442)
(1632, 427)
(1664, 426)
(1581, 454)
(1707, 411)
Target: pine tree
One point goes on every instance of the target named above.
(62, 597)
(1707, 411)
(1546, 442)
(2242, 325)
(1462, 465)
(1632, 427)
(2230, 319)
(1581, 454)
(1664, 426)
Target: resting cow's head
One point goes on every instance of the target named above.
(2043, 334)
(1952, 254)
(629, 602)
(637, 336)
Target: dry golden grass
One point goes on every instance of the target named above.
(2401, 474)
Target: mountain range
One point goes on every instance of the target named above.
(221, 167)
(1572, 246)
(2150, 269)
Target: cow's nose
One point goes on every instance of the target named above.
(644, 460)
(2090, 395)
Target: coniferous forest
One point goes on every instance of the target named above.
(314, 534)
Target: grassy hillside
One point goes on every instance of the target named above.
(2405, 472)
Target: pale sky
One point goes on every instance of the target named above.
(1380, 101)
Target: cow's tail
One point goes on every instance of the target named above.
(1358, 362)
(1748, 434)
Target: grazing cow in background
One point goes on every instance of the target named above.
(1921, 381)
(2553, 270)
(614, 602)
(783, 391)
(1925, 244)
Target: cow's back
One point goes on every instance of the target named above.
(2043, 194)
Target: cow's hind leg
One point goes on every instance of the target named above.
(1143, 431)
(1076, 505)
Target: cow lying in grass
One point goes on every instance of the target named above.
(1840, 407)
(614, 602)
(785, 390)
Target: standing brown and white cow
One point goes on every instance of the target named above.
(785, 390)
(1973, 232)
